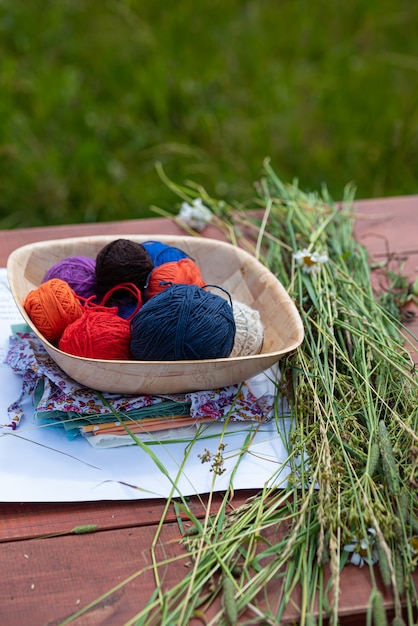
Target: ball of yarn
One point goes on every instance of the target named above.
(126, 297)
(78, 271)
(163, 253)
(100, 333)
(184, 271)
(122, 261)
(52, 307)
(126, 308)
(249, 333)
(183, 322)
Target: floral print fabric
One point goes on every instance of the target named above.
(28, 358)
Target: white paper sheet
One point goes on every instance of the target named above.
(39, 464)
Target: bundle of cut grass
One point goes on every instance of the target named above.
(353, 449)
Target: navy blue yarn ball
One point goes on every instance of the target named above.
(163, 253)
(125, 309)
(183, 322)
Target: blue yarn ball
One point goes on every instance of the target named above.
(183, 322)
(163, 253)
(125, 309)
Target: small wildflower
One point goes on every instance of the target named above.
(206, 456)
(363, 551)
(195, 215)
(309, 261)
(217, 459)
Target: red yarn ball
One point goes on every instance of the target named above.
(100, 333)
(181, 272)
(52, 307)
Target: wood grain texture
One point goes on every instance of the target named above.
(53, 578)
(28, 520)
(388, 228)
(12, 239)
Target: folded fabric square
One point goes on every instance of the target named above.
(59, 400)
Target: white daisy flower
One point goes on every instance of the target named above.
(309, 261)
(363, 551)
(195, 215)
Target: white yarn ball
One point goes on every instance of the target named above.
(249, 332)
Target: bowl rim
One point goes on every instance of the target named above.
(206, 241)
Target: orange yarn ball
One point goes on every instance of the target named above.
(52, 307)
(181, 272)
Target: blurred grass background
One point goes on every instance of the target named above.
(95, 92)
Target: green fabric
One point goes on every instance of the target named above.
(71, 421)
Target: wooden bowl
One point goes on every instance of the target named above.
(222, 264)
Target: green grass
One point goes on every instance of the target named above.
(350, 450)
(95, 92)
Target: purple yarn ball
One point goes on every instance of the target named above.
(78, 271)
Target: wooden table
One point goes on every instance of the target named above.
(46, 578)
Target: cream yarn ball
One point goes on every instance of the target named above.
(249, 332)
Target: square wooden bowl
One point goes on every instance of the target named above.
(230, 267)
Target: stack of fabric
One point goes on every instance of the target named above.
(110, 420)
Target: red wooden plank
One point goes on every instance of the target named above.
(46, 581)
(388, 228)
(27, 520)
(12, 239)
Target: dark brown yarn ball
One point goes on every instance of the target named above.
(122, 261)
